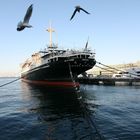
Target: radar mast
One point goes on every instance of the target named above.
(50, 30)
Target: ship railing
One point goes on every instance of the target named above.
(77, 52)
(53, 46)
(64, 53)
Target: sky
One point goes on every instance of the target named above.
(113, 29)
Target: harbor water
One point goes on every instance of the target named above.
(35, 113)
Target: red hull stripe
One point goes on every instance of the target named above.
(50, 83)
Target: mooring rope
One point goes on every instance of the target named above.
(104, 68)
(10, 82)
(117, 69)
(72, 76)
(85, 109)
(90, 121)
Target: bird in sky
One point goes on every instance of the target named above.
(21, 25)
(77, 9)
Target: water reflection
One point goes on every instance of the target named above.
(61, 110)
(52, 100)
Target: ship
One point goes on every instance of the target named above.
(53, 67)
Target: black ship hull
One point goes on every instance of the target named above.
(58, 72)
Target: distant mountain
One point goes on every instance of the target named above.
(9, 74)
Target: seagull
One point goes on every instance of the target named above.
(21, 25)
(77, 9)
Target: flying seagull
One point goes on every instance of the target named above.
(21, 25)
(77, 9)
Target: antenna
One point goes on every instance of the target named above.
(86, 44)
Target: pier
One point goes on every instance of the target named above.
(109, 81)
(102, 74)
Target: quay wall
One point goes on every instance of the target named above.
(110, 81)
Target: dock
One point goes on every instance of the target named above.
(110, 81)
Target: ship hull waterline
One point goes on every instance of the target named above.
(61, 74)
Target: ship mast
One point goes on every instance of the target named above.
(50, 30)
